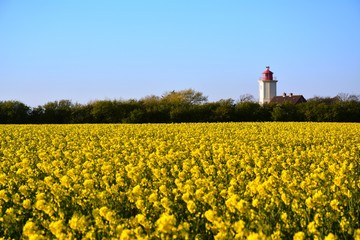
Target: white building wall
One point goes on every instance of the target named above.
(267, 90)
(261, 92)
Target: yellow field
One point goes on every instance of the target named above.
(223, 181)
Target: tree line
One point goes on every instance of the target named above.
(182, 106)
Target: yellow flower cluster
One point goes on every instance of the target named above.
(185, 181)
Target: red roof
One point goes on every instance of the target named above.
(295, 99)
(267, 70)
(267, 74)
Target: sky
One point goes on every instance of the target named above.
(86, 50)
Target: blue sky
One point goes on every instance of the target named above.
(85, 50)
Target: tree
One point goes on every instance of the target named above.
(105, 111)
(326, 100)
(247, 111)
(246, 98)
(318, 110)
(181, 104)
(286, 112)
(224, 111)
(81, 113)
(188, 96)
(37, 115)
(58, 111)
(130, 111)
(155, 110)
(346, 111)
(348, 97)
(14, 112)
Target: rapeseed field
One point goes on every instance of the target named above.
(180, 181)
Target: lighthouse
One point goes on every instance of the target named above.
(267, 86)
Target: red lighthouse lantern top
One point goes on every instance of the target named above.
(267, 74)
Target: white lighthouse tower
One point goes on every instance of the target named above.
(267, 86)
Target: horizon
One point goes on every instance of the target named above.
(247, 96)
(85, 51)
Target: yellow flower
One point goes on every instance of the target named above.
(284, 217)
(140, 204)
(40, 204)
(78, 222)
(222, 235)
(309, 203)
(3, 179)
(89, 184)
(26, 204)
(318, 219)
(235, 175)
(344, 224)
(191, 206)
(239, 228)
(210, 215)
(152, 198)
(163, 189)
(335, 204)
(285, 199)
(186, 197)
(126, 234)
(312, 227)
(29, 228)
(110, 216)
(242, 206)
(137, 190)
(103, 211)
(65, 181)
(166, 223)
(255, 203)
(57, 228)
(231, 203)
(256, 236)
(357, 234)
(299, 236)
(165, 202)
(40, 196)
(3, 195)
(330, 236)
(141, 219)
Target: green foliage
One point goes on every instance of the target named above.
(13, 112)
(58, 111)
(286, 112)
(182, 106)
(184, 97)
(247, 111)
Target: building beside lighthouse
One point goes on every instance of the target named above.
(267, 91)
(267, 86)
